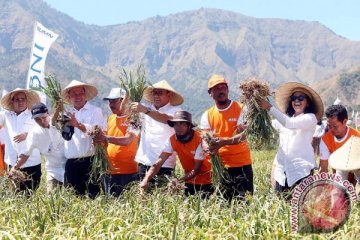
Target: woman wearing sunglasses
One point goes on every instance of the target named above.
(298, 110)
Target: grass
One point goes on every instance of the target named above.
(157, 215)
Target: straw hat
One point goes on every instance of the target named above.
(181, 116)
(31, 97)
(90, 91)
(347, 157)
(284, 91)
(175, 99)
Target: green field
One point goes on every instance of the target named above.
(159, 215)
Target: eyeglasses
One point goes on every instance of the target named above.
(300, 98)
(158, 92)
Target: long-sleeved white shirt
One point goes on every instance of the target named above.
(80, 144)
(295, 157)
(14, 125)
(153, 136)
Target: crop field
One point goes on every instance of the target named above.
(158, 215)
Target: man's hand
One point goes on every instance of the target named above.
(323, 166)
(137, 107)
(216, 145)
(21, 137)
(264, 104)
(143, 185)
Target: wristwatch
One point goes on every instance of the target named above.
(148, 110)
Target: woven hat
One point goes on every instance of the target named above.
(284, 91)
(90, 90)
(175, 99)
(347, 157)
(215, 80)
(115, 93)
(31, 97)
(181, 116)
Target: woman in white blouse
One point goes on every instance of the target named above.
(299, 109)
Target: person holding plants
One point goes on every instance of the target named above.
(224, 119)
(299, 110)
(187, 144)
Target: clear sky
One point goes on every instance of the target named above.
(341, 16)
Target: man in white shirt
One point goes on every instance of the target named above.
(79, 150)
(47, 139)
(163, 101)
(17, 122)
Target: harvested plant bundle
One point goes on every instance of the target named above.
(134, 87)
(100, 165)
(17, 177)
(218, 173)
(259, 131)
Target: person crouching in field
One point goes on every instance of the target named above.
(337, 135)
(300, 108)
(48, 140)
(122, 145)
(187, 144)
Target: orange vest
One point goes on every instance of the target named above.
(330, 143)
(2, 163)
(224, 124)
(122, 158)
(186, 154)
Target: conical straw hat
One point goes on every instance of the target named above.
(175, 99)
(284, 91)
(31, 97)
(347, 157)
(90, 90)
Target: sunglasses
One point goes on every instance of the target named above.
(300, 98)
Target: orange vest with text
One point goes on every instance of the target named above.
(186, 154)
(224, 124)
(122, 158)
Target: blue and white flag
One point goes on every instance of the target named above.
(43, 38)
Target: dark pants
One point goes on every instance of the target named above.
(162, 172)
(117, 183)
(34, 173)
(77, 176)
(205, 190)
(286, 191)
(239, 183)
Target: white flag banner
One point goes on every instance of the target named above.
(43, 38)
(357, 120)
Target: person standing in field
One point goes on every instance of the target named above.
(163, 102)
(300, 108)
(17, 122)
(187, 144)
(337, 135)
(122, 145)
(79, 151)
(48, 140)
(225, 121)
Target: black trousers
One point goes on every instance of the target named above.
(33, 183)
(77, 176)
(239, 183)
(143, 169)
(205, 190)
(117, 183)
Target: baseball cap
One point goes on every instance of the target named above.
(215, 80)
(38, 110)
(115, 93)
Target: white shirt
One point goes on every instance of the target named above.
(153, 136)
(295, 157)
(80, 144)
(14, 125)
(51, 144)
(199, 153)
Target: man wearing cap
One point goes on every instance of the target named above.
(79, 151)
(47, 139)
(163, 102)
(17, 122)
(337, 135)
(225, 121)
(187, 144)
(122, 144)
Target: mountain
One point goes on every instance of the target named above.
(183, 48)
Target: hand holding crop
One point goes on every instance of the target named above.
(264, 104)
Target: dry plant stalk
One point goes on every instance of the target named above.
(134, 86)
(17, 177)
(259, 131)
(218, 173)
(175, 187)
(101, 164)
